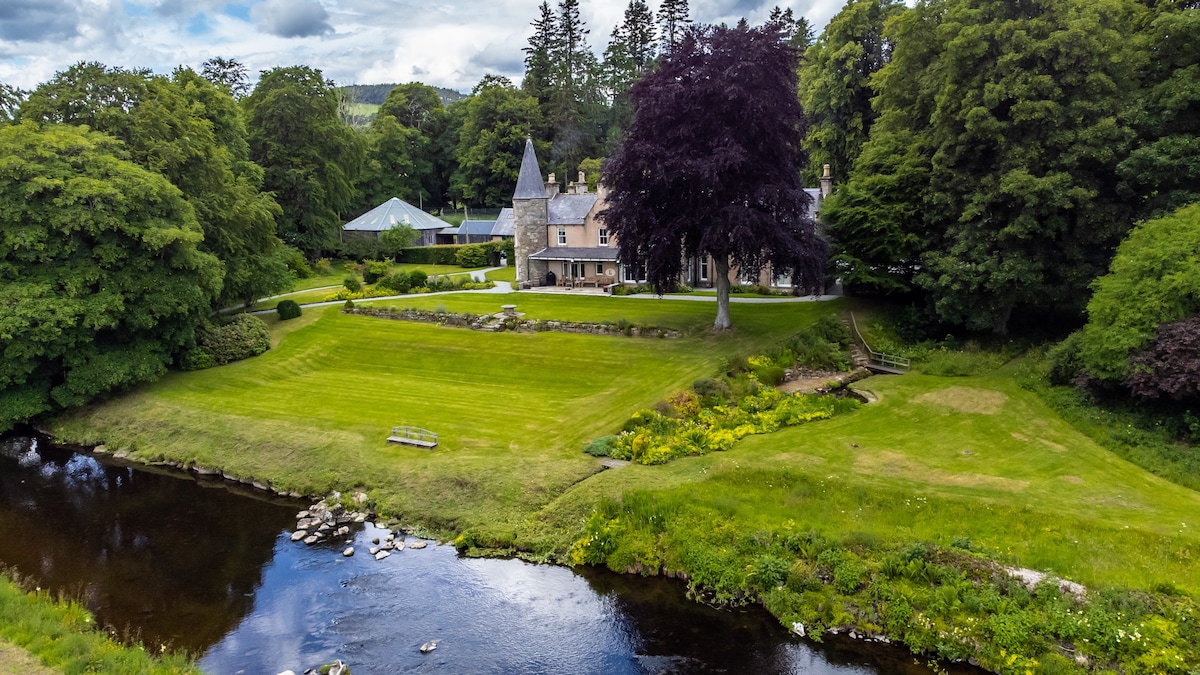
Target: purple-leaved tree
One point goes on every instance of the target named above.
(711, 164)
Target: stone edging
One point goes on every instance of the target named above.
(495, 323)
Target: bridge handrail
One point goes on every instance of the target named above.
(891, 360)
(414, 433)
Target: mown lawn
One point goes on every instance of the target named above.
(512, 410)
(317, 288)
(934, 459)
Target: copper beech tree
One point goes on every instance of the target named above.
(711, 164)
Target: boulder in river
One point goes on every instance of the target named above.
(418, 544)
(312, 539)
(382, 554)
(429, 646)
(299, 534)
(348, 552)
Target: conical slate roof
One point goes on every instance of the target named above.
(529, 182)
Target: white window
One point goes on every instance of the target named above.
(634, 273)
(604, 236)
(704, 268)
(562, 236)
(785, 279)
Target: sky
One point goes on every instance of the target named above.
(446, 43)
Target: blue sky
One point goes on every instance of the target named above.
(449, 43)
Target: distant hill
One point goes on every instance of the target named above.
(375, 94)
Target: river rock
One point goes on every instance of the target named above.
(373, 550)
(375, 540)
(325, 527)
(417, 544)
(265, 487)
(307, 523)
(360, 498)
(311, 539)
(360, 518)
(121, 454)
(299, 534)
(386, 546)
(348, 552)
(798, 629)
(382, 554)
(302, 515)
(100, 449)
(342, 531)
(398, 545)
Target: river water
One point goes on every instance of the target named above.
(209, 567)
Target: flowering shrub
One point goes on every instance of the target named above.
(651, 437)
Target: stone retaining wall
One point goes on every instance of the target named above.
(501, 322)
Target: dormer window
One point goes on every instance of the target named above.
(562, 236)
(604, 236)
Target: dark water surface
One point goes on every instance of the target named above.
(199, 566)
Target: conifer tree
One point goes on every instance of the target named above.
(538, 62)
(673, 18)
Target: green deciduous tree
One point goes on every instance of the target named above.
(193, 133)
(1163, 171)
(711, 165)
(835, 84)
(309, 157)
(228, 74)
(1154, 279)
(499, 118)
(101, 278)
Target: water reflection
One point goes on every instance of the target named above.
(150, 554)
(217, 573)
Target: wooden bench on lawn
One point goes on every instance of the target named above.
(422, 438)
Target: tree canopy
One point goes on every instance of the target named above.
(1006, 121)
(711, 164)
(193, 133)
(499, 118)
(1154, 280)
(309, 157)
(101, 276)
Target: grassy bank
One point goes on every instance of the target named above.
(910, 502)
(49, 635)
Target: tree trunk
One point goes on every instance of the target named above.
(721, 272)
(1000, 320)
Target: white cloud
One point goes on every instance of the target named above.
(449, 43)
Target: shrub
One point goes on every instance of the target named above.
(287, 309)
(417, 278)
(1170, 366)
(296, 262)
(323, 267)
(711, 392)
(376, 269)
(400, 282)
(349, 304)
(244, 336)
(601, 447)
(196, 358)
(767, 572)
(352, 284)
(473, 255)
(361, 248)
(831, 329)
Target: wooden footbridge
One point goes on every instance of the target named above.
(878, 361)
(422, 438)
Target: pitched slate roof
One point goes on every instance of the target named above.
(476, 227)
(577, 253)
(504, 225)
(571, 209)
(529, 181)
(391, 213)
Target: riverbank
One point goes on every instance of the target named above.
(831, 525)
(40, 635)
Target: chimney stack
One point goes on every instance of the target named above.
(826, 182)
(551, 186)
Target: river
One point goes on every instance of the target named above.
(209, 567)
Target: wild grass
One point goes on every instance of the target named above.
(62, 635)
(508, 274)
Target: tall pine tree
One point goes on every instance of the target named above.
(673, 19)
(539, 66)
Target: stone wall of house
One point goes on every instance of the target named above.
(529, 228)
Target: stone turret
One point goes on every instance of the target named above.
(531, 213)
(826, 182)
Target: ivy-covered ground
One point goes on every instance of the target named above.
(893, 518)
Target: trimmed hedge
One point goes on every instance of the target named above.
(431, 255)
(287, 309)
